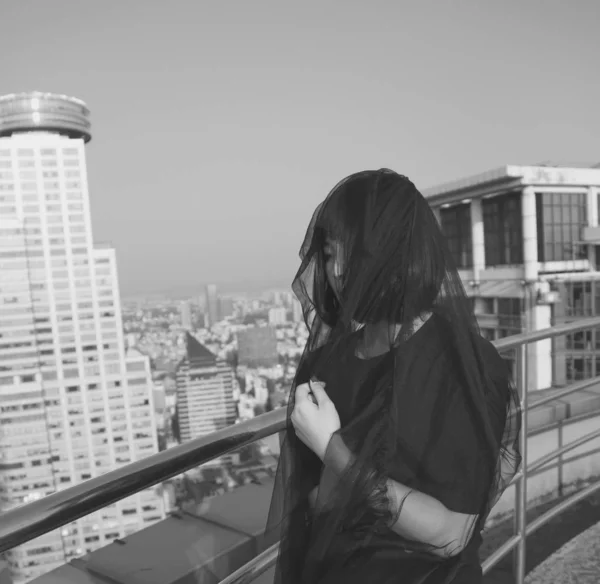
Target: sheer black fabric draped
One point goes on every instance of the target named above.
(429, 417)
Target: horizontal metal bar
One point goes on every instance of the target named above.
(254, 568)
(574, 388)
(24, 523)
(562, 507)
(520, 475)
(562, 450)
(257, 566)
(500, 553)
(536, 468)
(513, 542)
(515, 341)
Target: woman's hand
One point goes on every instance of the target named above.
(314, 423)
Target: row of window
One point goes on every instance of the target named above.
(30, 152)
(560, 219)
(48, 197)
(579, 367)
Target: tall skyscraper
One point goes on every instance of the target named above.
(186, 315)
(74, 404)
(204, 393)
(212, 305)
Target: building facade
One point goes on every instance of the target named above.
(73, 404)
(277, 316)
(185, 310)
(205, 401)
(527, 242)
(212, 316)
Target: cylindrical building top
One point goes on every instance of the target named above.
(35, 111)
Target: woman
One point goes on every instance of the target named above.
(402, 423)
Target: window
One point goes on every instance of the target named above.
(579, 298)
(509, 314)
(136, 366)
(503, 230)
(579, 341)
(484, 306)
(456, 226)
(579, 367)
(560, 218)
(597, 297)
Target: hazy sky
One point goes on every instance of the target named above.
(219, 126)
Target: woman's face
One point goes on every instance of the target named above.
(334, 268)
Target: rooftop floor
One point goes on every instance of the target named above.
(578, 562)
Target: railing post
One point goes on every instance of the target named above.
(561, 443)
(521, 485)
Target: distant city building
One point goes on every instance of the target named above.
(277, 297)
(257, 346)
(204, 394)
(75, 404)
(527, 242)
(212, 306)
(186, 315)
(277, 316)
(297, 315)
(131, 340)
(5, 575)
(288, 298)
(226, 306)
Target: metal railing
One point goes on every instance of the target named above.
(29, 521)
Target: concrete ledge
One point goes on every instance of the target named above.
(577, 561)
(586, 401)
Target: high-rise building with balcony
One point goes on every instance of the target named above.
(74, 404)
(527, 242)
(204, 394)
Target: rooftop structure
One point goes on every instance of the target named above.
(35, 111)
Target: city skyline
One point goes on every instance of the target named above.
(211, 149)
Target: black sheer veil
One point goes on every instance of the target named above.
(398, 270)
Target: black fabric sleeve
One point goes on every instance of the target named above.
(462, 461)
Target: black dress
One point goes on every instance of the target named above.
(430, 370)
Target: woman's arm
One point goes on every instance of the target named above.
(419, 517)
